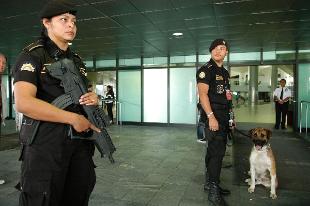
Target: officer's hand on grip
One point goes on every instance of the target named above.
(81, 124)
(89, 98)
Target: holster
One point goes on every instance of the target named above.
(28, 130)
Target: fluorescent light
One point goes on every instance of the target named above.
(177, 34)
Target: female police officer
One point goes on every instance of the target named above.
(214, 96)
(56, 171)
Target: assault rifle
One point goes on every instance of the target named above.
(74, 86)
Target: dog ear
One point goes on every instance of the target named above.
(269, 133)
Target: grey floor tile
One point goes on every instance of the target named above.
(159, 166)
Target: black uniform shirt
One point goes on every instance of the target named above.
(218, 80)
(31, 67)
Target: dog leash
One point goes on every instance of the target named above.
(242, 133)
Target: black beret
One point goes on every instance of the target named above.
(57, 7)
(217, 42)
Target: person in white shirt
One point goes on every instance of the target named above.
(2, 68)
(281, 97)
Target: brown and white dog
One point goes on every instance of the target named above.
(262, 162)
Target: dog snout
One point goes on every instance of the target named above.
(259, 142)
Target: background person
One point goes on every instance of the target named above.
(2, 68)
(3, 96)
(109, 101)
(281, 97)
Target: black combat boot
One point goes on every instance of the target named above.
(215, 197)
(206, 186)
(223, 191)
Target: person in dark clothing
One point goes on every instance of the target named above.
(215, 97)
(201, 137)
(56, 170)
(109, 101)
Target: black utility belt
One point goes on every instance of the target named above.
(219, 106)
(283, 102)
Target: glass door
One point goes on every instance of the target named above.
(183, 98)
(253, 88)
(129, 95)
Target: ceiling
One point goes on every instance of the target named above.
(130, 28)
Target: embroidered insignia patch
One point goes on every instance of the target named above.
(220, 89)
(218, 77)
(27, 67)
(202, 75)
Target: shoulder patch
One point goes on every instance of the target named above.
(33, 46)
(27, 67)
(202, 75)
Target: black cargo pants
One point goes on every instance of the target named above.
(216, 146)
(57, 171)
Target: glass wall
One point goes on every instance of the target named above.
(265, 91)
(155, 62)
(304, 92)
(106, 63)
(129, 96)
(100, 81)
(239, 82)
(303, 55)
(129, 62)
(183, 98)
(182, 60)
(279, 55)
(249, 56)
(155, 95)
(203, 59)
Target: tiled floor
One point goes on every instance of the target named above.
(164, 166)
(261, 113)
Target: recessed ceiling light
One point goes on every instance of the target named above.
(177, 34)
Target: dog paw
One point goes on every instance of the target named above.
(248, 181)
(251, 189)
(273, 196)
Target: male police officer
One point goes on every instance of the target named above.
(56, 170)
(214, 96)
